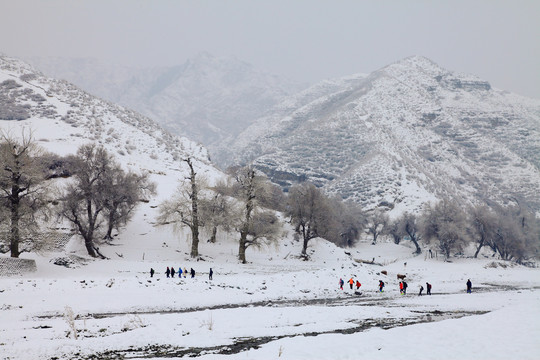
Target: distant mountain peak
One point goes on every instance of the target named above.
(405, 134)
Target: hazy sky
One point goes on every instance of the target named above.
(307, 40)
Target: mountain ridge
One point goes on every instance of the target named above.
(63, 117)
(412, 119)
(206, 98)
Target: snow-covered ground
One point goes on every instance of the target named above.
(277, 306)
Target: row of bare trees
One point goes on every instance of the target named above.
(249, 204)
(240, 204)
(512, 231)
(100, 197)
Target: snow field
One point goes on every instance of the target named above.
(279, 301)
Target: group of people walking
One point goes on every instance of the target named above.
(428, 289)
(402, 286)
(351, 283)
(170, 272)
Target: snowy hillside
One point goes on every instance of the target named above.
(62, 117)
(409, 132)
(275, 306)
(206, 99)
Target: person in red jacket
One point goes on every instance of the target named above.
(358, 284)
(401, 288)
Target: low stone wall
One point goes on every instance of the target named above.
(13, 266)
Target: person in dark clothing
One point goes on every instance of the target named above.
(341, 283)
(152, 272)
(210, 274)
(192, 273)
(168, 272)
(421, 289)
(469, 286)
(172, 272)
(428, 288)
(381, 285)
(179, 271)
(405, 288)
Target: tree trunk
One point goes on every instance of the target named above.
(244, 232)
(446, 250)
(304, 246)
(89, 244)
(418, 250)
(214, 233)
(194, 212)
(110, 225)
(479, 247)
(195, 240)
(14, 230)
(242, 247)
(89, 237)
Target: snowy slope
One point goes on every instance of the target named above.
(407, 133)
(61, 118)
(277, 306)
(207, 98)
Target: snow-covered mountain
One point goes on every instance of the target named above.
(409, 132)
(207, 98)
(61, 117)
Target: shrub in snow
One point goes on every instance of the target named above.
(69, 316)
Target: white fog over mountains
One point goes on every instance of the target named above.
(407, 133)
(207, 99)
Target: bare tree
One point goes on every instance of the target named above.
(124, 191)
(273, 197)
(216, 210)
(409, 225)
(376, 224)
(483, 225)
(263, 228)
(183, 209)
(446, 223)
(517, 234)
(394, 229)
(310, 213)
(349, 220)
(85, 198)
(23, 189)
(249, 189)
